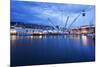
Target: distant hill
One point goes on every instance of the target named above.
(29, 25)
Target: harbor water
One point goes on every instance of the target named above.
(51, 49)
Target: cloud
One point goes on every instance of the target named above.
(37, 12)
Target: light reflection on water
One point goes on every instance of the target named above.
(84, 40)
(13, 37)
(45, 49)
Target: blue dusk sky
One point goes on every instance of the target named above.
(39, 12)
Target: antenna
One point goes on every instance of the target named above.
(52, 24)
(83, 14)
(74, 21)
(66, 21)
